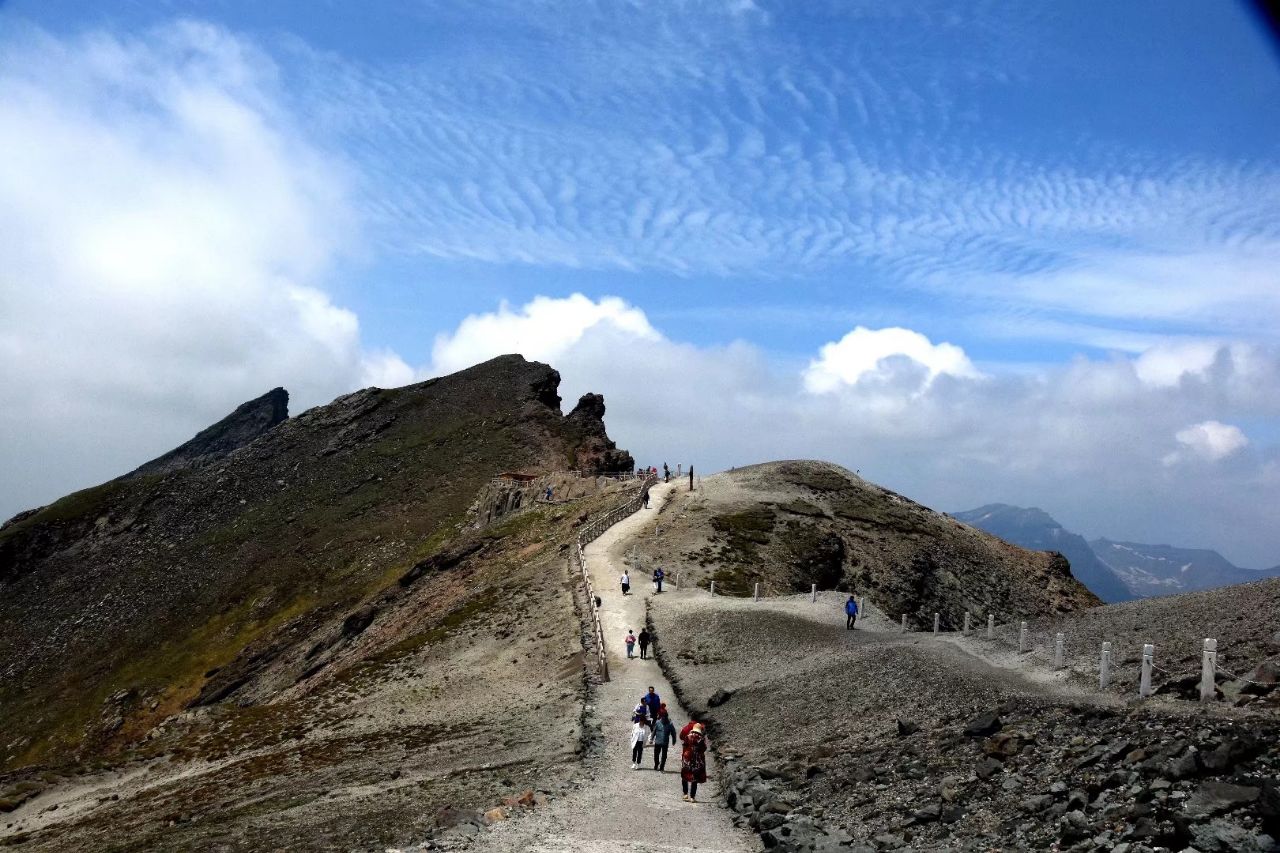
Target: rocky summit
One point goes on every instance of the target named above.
(234, 596)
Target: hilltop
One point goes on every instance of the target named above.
(788, 525)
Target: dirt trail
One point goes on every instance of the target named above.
(616, 808)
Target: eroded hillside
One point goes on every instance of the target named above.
(308, 639)
(788, 525)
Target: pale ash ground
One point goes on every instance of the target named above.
(617, 808)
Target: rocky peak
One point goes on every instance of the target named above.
(596, 451)
(237, 429)
(590, 408)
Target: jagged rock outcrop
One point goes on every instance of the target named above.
(237, 429)
(595, 450)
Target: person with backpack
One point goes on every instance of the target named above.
(645, 498)
(630, 640)
(693, 760)
(625, 580)
(850, 613)
(658, 577)
(664, 734)
(643, 641)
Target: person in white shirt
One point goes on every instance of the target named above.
(626, 583)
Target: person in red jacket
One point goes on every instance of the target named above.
(693, 760)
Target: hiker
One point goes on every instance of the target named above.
(658, 577)
(652, 703)
(550, 489)
(664, 734)
(639, 734)
(693, 760)
(645, 498)
(626, 582)
(850, 613)
(666, 473)
(631, 644)
(643, 640)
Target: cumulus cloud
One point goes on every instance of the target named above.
(542, 330)
(163, 228)
(1208, 440)
(867, 351)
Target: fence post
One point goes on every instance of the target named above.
(1022, 637)
(1058, 652)
(813, 593)
(935, 623)
(904, 623)
(862, 604)
(675, 581)
(757, 592)
(1104, 667)
(1208, 669)
(968, 622)
(1144, 684)
(713, 587)
(991, 626)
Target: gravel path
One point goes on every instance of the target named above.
(616, 808)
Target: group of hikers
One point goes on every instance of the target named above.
(643, 640)
(659, 576)
(652, 726)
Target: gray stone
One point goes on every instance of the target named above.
(1213, 798)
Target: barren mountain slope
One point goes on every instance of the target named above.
(908, 741)
(791, 524)
(340, 634)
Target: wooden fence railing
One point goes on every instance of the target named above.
(589, 532)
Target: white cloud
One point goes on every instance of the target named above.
(543, 330)
(867, 351)
(163, 227)
(1208, 440)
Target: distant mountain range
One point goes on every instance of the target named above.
(1114, 571)
(1035, 528)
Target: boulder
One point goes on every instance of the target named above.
(1213, 798)
(983, 725)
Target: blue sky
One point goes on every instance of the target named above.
(1075, 208)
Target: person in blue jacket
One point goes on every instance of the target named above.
(850, 613)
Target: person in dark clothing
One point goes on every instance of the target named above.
(664, 734)
(658, 577)
(645, 498)
(643, 639)
(653, 702)
(850, 613)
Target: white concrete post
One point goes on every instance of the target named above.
(1144, 684)
(1208, 669)
(757, 595)
(1104, 667)
(675, 581)
(713, 587)
(904, 623)
(1022, 637)
(1058, 652)
(968, 622)
(991, 626)
(813, 593)
(862, 604)
(935, 623)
